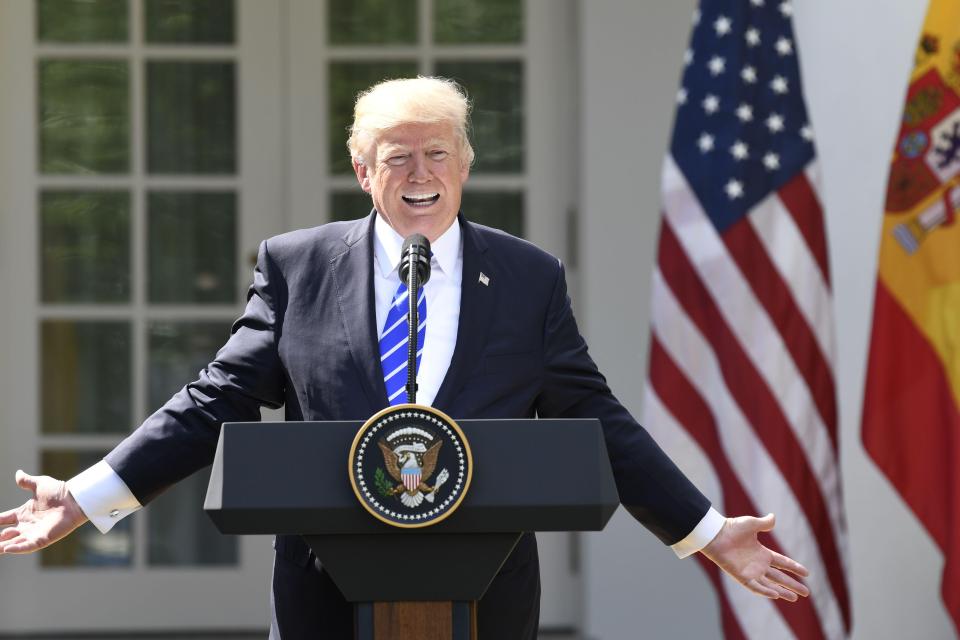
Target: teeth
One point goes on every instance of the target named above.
(421, 198)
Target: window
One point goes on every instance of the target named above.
(138, 243)
(478, 43)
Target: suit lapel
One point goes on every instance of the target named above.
(353, 273)
(477, 304)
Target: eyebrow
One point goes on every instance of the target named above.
(388, 148)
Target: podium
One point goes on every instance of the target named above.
(528, 475)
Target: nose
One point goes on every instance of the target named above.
(419, 172)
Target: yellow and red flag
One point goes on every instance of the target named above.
(911, 414)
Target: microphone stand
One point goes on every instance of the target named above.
(413, 325)
(415, 271)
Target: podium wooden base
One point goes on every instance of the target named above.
(417, 621)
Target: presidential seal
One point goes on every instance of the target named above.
(410, 465)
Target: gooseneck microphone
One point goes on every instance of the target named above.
(415, 271)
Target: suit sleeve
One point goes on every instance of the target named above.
(651, 487)
(181, 437)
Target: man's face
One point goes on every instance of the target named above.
(417, 178)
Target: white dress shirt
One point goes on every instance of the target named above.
(106, 499)
(443, 299)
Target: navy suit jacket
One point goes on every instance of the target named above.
(308, 341)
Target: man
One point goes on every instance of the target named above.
(505, 345)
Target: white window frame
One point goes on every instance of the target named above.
(136, 598)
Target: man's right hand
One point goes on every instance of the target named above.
(51, 514)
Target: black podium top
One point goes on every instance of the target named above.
(529, 475)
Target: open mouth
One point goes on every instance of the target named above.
(421, 200)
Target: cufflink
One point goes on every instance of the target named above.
(114, 513)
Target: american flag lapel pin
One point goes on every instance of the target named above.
(484, 280)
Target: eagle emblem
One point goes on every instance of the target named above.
(411, 463)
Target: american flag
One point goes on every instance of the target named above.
(741, 381)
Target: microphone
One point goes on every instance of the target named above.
(415, 251)
(415, 271)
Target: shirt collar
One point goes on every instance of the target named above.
(389, 243)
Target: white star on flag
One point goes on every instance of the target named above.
(784, 46)
(774, 123)
(744, 112)
(752, 36)
(687, 57)
(740, 150)
(711, 103)
(681, 96)
(734, 189)
(786, 8)
(771, 161)
(705, 142)
(717, 65)
(749, 75)
(779, 84)
(756, 3)
(722, 26)
(806, 132)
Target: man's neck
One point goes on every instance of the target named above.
(446, 248)
(428, 229)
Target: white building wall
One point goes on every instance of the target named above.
(856, 57)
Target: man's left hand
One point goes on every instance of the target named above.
(736, 550)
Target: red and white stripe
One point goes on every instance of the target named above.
(742, 357)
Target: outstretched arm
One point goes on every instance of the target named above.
(51, 514)
(737, 551)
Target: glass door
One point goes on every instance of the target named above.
(139, 168)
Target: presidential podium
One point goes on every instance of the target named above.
(528, 475)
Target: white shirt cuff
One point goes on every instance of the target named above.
(702, 534)
(102, 495)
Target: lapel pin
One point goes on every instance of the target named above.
(484, 280)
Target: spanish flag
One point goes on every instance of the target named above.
(911, 414)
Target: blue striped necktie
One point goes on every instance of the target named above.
(393, 344)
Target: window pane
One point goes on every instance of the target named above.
(85, 244)
(86, 546)
(84, 116)
(199, 21)
(347, 79)
(500, 209)
(191, 117)
(349, 205)
(372, 21)
(178, 352)
(179, 532)
(496, 89)
(85, 376)
(82, 20)
(484, 21)
(192, 251)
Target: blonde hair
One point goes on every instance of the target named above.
(392, 103)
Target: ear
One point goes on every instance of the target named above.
(363, 174)
(464, 172)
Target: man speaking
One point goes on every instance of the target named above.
(499, 340)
